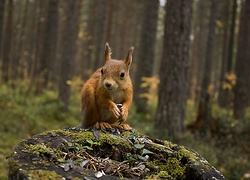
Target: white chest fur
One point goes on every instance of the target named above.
(117, 96)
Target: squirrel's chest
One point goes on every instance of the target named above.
(117, 96)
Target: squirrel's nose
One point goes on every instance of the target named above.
(108, 85)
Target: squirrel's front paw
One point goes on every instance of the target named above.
(124, 115)
(116, 111)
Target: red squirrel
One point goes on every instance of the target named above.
(107, 96)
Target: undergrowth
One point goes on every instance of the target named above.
(228, 149)
(23, 115)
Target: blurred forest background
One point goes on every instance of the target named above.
(192, 55)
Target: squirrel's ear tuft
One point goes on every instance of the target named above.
(107, 52)
(128, 59)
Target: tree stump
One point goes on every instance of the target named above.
(75, 153)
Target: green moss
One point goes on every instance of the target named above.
(193, 158)
(104, 138)
(13, 165)
(169, 144)
(160, 175)
(176, 170)
(58, 131)
(163, 174)
(126, 133)
(162, 148)
(42, 174)
(38, 149)
(88, 135)
(170, 168)
(184, 152)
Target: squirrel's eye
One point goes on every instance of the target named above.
(102, 71)
(122, 74)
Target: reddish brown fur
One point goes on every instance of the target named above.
(99, 101)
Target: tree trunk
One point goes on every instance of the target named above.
(124, 27)
(231, 37)
(68, 44)
(242, 87)
(7, 44)
(48, 54)
(225, 20)
(225, 94)
(197, 54)
(2, 7)
(146, 52)
(66, 154)
(39, 33)
(173, 74)
(204, 107)
(88, 46)
(19, 40)
(34, 36)
(100, 32)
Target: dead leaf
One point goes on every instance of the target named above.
(83, 163)
(96, 133)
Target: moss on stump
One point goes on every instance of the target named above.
(75, 153)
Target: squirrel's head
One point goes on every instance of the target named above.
(115, 73)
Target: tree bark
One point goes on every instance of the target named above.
(48, 54)
(100, 32)
(2, 7)
(88, 46)
(198, 50)
(204, 107)
(19, 40)
(225, 21)
(146, 52)
(225, 94)
(40, 14)
(242, 87)
(68, 45)
(231, 37)
(7, 44)
(173, 73)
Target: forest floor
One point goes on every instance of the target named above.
(25, 114)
